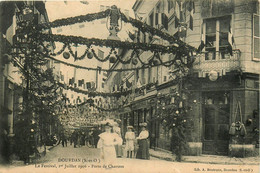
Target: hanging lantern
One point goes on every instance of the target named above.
(112, 59)
(134, 61)
(172, 100)
(66, 55)
(180, 105)
(40, 48)
(156, 62)
(7, 58)
(90, 55)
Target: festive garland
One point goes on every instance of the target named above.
(136, 23)
(90, 102)
(74, 20)
(101, 69)
(115, 94)
(110, 43)
(157, 49)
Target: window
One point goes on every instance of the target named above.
(256, 37)
(216, 38)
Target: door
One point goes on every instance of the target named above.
(216, 112)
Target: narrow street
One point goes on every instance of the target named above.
(85, 159)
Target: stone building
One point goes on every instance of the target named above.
(11, 83)
(224, 77)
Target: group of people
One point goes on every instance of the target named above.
(110, 142)
(80, 138)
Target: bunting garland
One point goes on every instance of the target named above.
(115, 94)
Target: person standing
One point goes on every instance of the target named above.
(96, 132)
(63, 140)
(143, 150)
(130, 138)
(119, 150)
(75, 139)
(107, 143)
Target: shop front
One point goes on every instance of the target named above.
(220, 106)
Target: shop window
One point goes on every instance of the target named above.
(216, 37)
(256, 37)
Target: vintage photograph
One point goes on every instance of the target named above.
(129, 86)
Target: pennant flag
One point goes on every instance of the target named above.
(131, 35)
(230, 41)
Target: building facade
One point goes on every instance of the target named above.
(224, 79)
(12, 82)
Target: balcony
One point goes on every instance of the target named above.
(218, 62)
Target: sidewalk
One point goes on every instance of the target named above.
(41, 152)
(209, 159)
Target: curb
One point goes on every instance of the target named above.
(209, 162)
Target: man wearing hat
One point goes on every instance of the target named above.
(143, 150)
(130, 137)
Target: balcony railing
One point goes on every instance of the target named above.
(220, 63)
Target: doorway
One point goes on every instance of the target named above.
(216, 113)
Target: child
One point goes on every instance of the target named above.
(130, 137)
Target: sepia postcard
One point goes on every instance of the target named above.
(129, 86)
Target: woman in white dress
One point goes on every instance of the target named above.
(130, 139)
(118, 147)
(107, 143)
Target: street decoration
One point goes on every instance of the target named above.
(103, 94)
(32, 41)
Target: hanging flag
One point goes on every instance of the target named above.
(192, 8)
(182, 17)
(161, 19)
(177, 14)
(88, 84)
(230, 41)
(202, 44)
(84, 2)
(71, 81)
(131, 35)
(62, 77)
(128, 84)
